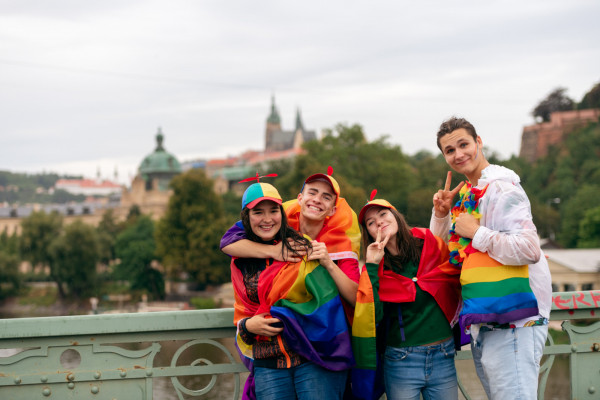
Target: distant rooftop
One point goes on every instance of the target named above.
(578, 260)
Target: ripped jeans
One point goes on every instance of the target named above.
(427, 370)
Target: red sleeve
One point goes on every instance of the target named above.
(350, 267)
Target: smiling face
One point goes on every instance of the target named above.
(317, 201)
(381, 217)
(265, 219)
(463, 153)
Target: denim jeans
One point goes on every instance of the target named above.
(307, 381)
(508, 361)
(427, 370)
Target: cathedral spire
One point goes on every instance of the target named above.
(274, 116)
(299, 125)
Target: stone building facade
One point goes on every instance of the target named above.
(536, 139)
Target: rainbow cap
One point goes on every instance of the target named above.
(259, 191)
(372, 203)
(327, 179)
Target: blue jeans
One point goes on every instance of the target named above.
(427, 370)
(307, 381)
(507, 361)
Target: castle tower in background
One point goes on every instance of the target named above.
(273, 125)
(277, 139)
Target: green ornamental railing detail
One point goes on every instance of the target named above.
(189, 354)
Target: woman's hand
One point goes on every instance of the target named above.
(443, 199)
(262, 324)
(376, 250)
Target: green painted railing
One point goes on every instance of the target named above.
(190, 354)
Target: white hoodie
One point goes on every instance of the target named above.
(507, 232)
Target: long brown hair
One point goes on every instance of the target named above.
(285, 235)
(409, 247)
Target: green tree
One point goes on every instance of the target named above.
(591, 99)
(9, 243)
(589, 229)
(108, 229)
(74, 255)
(557, 100)
(188, 236)
(573, 211)
(38, 231)
(9, 274)
(359, 166)
(135, 247)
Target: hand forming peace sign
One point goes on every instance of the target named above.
(442, 200)
(376, 250)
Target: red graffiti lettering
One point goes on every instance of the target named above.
(558, 301)
(580, 298)
(596, 298)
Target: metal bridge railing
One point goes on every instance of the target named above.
(190, 354)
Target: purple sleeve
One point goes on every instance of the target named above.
(235, 233)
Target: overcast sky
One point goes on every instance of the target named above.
(86, 84)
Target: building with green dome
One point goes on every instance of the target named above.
(159, 167)
(150, 188)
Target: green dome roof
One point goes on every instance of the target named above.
(160, 161)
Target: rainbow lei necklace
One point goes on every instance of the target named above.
(469, 202)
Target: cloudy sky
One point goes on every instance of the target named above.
(86, 84)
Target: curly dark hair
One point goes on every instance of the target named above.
(409, 247)
(453, 124)
(285, 235)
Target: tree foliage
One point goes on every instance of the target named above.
(591, 99)
(23, 188)
(74, 255)
(570, 172)
(107, 230)
(188, 236)
(38, 231)
(135, 247)
(589, 229)
(557, 100)
(9, 274)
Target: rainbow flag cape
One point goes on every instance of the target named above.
(340, 232)
(435, 276)
(491, 292)
(305, 298)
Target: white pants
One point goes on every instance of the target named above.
(508, 361)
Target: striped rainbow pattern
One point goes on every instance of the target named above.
(305, 298)
(313, 316)
(493, 292)
(342, 234)
(367, 378)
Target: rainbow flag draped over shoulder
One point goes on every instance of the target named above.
(435, 275)
(305, 298)
(340, 232)
(367, 375)
(491, 292)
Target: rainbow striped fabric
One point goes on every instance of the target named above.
(306, 299)
(367, 375)
(491, 292)
(313, 316)
(341, 231)
(435, 275)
